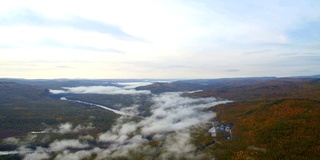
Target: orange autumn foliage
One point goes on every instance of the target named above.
(271, 120)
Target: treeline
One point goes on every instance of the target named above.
(287, 88)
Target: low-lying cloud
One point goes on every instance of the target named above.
(99, 90)
(64, 144)
(68, 128)
(36, 155)
(132, 85)
(64, 128)
(169, 125)
(171, 120)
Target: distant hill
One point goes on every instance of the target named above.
(57, 83)
(282, 88)
(11, 91)
(313, 76)
(173, 87)
(203, 84)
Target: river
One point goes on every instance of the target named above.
(98, 105)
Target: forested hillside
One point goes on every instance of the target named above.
(277, 119)
(290, 88)
(25, 108)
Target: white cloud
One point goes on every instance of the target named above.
(64, 128)
(99, 90)
(132, 110)
(172, 113)
(66, 155)
(132, 85)
(64, 144)
(218, 31)
(11, 141)
(36, 156)
(172, 117)
(179, 145)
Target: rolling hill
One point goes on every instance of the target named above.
(276, 119)
(25, 108)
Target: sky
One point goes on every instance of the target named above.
(166, 39)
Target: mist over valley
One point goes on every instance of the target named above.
(106, 119)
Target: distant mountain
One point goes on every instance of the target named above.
(313, 76)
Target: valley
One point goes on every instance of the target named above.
(271, 118)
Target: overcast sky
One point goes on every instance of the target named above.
(159, 39)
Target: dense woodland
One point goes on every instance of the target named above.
(27, 108)
(277, 119)
(272, 118)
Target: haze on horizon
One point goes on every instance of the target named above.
(159, 39)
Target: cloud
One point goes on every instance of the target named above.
(172, 112)
(172, 117)
(262, 51)
(221, 35)
(4, 46)
(66, 155)
(132, 85)
(99, 90)
(132, 110)
(232, 70)
(111, 50)
(28, 17)
(54, 91)
(65, 144)
(54, 43)
(68, 128)
(92, 25)
(36, 156)
(11, 141)
(178, 145)
(65, 128)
